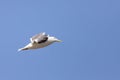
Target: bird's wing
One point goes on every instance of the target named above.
(39, 38)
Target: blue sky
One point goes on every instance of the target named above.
(89, 29)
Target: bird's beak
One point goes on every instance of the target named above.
(57, 40)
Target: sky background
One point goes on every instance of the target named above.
(89, 29)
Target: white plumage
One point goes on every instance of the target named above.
(39, 41)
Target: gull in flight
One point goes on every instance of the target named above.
(39, 41)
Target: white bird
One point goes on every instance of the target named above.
(39, 41)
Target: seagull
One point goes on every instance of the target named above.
(39, 41)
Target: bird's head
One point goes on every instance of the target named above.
(54, 39)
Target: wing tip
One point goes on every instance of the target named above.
(21, 49)
(43, 33)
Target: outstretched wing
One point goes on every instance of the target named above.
(39, 38)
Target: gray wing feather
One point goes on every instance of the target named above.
(39, 38)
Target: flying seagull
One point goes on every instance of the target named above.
(39, 41)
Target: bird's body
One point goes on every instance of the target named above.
(39, 41)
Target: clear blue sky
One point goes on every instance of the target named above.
(89, 29)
